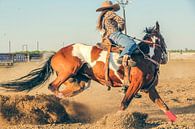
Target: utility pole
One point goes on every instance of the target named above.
(123, 4)
(25, 48)
(37, 45)
(9, 46)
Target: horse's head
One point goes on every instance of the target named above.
(156, 50)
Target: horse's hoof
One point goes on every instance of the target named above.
(123, 107)
(51, 88)
(109, 88)
(172, 117)
(137, 95)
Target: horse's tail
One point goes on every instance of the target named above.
(34, 79)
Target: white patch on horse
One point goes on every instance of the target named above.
(151, 53)
(83, 52)
(154, 38)
(113, 61)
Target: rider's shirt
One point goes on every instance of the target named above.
(112, 23)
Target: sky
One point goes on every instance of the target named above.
(55, 23)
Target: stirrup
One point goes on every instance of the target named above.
(137, 95)
(52, 88)
(131, 63)
(120, 60)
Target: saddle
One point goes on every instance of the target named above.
(108, 44)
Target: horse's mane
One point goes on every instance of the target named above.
(143, 46)
(149, 30)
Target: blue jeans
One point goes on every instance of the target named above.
(125, 41)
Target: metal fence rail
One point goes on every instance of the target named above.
(20, 57)
(11, 58)
(6, 59)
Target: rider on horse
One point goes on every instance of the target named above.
(111, 26)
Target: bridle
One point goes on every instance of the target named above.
(146, 41)
(154, 44)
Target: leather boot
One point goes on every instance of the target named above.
(126, 60)
(131, 62)
(126, 80)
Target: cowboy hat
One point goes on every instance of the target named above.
(108, 5)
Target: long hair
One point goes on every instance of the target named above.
(34, 79)
(100, 19)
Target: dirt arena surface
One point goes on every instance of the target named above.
(98, 108)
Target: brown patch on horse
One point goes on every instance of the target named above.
(99, 72)
(67, 50)
(65, 64)
(114, 79)
(120, 72)
(95, 53)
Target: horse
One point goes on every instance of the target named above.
(77, 64)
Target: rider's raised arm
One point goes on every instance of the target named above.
(119, 20)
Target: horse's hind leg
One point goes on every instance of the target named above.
(155, 97)
(65, 66)
(61, 78)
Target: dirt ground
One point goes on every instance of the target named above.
(98, 108)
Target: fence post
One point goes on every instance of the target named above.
(28, 57)
(169, 56)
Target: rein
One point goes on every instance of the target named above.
(148, 58)
(149, 43)
(145, 41)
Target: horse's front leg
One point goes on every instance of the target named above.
(155, 97)
(136, 78)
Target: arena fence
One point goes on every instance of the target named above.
(10, 58)
(6, 59)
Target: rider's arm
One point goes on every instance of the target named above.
(112, 16)
(120, 21)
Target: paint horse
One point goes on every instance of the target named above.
(77, 64)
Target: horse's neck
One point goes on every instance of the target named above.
(144, 47)
(152, 52)
(155, 54)
(158, 54)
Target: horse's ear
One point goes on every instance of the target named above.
(157, 26)
(146, 30)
